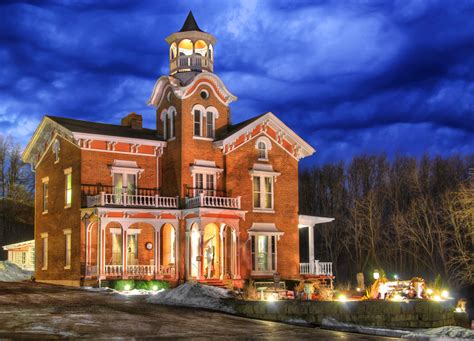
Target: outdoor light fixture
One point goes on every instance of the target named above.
(126, 287)
(459, 310)
(342, 298)
(437, 298)
(445, 294)
(429, 291)
(397, 298)
(155, 288)
(395, 276)
(358, 289)
(376, 274)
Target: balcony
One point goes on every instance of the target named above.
(103, 195)
(193, 62)
(197, 197)
(316, 268)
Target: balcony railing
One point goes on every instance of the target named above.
(99, 195)
(135, 270)
(316, 268)
(193, 62)
(205, 200)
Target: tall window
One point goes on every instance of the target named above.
(168, 124)
(263, 253)
(68, 187)
(262, 151)
(116, 248)
(67, 254)
(263, 192)
(198, 183)
(197, 123)
(44, 255)
(210, 124)
(45, 196)
(210, 184)
(132, 252)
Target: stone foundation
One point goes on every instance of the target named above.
(414, 314)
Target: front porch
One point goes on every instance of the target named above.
(131, 247)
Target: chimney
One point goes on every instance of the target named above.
(132, 120)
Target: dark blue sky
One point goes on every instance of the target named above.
(350, 77)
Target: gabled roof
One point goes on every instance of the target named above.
(190, 24)
(89, 127)
(241, 134)
(236, 127)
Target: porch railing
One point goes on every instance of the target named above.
(140, 270)
(107, 197)
(316, 268)
(113, 270)
(134, 270)
(210, 198)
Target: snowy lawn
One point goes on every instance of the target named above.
(10, 272)
(195, 295)
(442, 333)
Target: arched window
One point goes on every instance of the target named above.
(200, 47)
(185, 47)
(173, 51)
(168, 119)
(263, 145)
(204, 121)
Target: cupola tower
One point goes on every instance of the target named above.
(191, 49)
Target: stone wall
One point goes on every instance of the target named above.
(414, 314)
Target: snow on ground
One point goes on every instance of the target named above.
(10, 272)
(333, 324)
(442, 333)
(195, 295)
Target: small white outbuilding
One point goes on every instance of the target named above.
(22, 254)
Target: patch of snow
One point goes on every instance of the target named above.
(333, 324)
(10, 272)
(195, 295)
(442, 333)
(133, 292)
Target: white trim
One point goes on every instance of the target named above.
(269, 119)
(30, 243)
(67, 231)
(109, 138)
(265, 228)
(307, 220)
(202, 138)
(116, 152)
(68, 171)
(115, 230)
(133, 231)
(202, 110)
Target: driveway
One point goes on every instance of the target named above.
(29, 310)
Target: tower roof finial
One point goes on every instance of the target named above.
(190, 24)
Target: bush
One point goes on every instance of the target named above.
(120, 284)
(159, 285)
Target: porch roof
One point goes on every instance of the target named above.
(264, 228)
(309, 220)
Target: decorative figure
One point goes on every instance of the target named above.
(210, 259)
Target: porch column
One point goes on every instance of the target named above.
(100, 251)
(187, 255)
(222, 250)
(157, 253)
(311, 248)
(201, 255)
(124, 253)
(176, 251)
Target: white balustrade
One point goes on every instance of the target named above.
(168, 270)
(125, 199)
(113, 270)
(213, 201)
(140, 270)
(316, 268)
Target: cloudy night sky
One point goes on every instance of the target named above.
(350, 77)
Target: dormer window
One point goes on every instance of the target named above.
(263, 145)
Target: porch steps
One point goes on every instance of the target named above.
(213, 283)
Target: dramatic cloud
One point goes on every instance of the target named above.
(351, 77)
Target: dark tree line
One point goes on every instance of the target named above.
(406, 216)
(16, 195)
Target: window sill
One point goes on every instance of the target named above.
(256, 210)
(203, 138)
(44, 212)
(67, 206)
(67, 267)
(44, 268)
(171, 139)
(260, 159)
(261, 273)
(56, 162)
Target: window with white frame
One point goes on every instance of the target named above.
(125, 177)
(45, 194)
(263, 178)
(263, 192)
(68, 187)
(44, 254)
(263, 145)
(204, 175)
(168, 118)
(67, 249)
(197, 123)
(263, 253)
(116, 246)
(210, 124)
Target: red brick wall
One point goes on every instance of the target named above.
(58, 218)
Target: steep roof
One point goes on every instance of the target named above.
(80, 126)
(190, 24)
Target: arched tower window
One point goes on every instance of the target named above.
(168, 119)
(263, 145)
(173, 51)
(185, 47)
(200, 47)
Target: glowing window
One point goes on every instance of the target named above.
(68, 187)
(185, 47)
(200, 47)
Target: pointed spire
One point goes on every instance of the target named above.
(190, 24)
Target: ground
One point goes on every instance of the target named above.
(29, 310)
